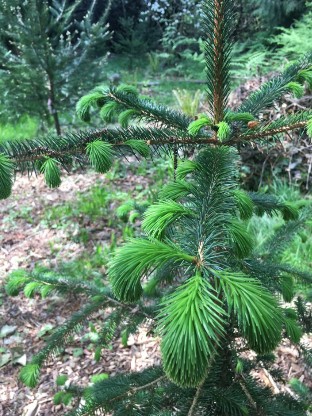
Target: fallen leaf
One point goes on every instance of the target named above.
(7, 330)
(4, 359)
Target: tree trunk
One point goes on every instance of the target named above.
(52, 109)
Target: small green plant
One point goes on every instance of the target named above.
(195, 274)
(188, 101)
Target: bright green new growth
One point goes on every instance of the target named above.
(254, 307)
(125, 117)
(223, 131)
(230, 117)
(136, 259)
(100, 155)
(198, 124)
(51, 171)
(160, 215)
(29, 375)
(192, 325)
(305, 76)
(175, 190)
(296, 88)
(309, 127)
(84, 105)
(139, 146)
(184, 168)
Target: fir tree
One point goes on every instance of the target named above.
(210, 293)
(46, 49)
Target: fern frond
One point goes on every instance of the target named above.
(134, 260)
(254, 307)
(191, 322)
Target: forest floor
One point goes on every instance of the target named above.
(26, 239)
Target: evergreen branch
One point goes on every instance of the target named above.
(191, 322)
(48, 281)
(136, 258)
(270, 133)
(272, 205)
(254, 306)
(196, 398)
(74, 144)
(248, 395)
(217, 24)
(274, 88)
(275, 245)
(141, 108)
(108, 394)
(151, 111)
(160, 215)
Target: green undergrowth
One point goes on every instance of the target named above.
(27, 127)
(299, 250)
(113, 206)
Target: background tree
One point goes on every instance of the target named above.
(46, 49)
(274, 13)
(195, 273)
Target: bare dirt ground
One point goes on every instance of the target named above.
(26, 240)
